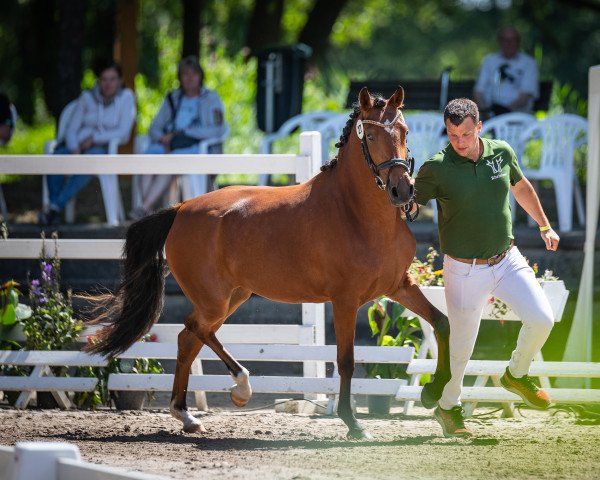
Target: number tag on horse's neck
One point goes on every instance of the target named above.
(360, 131)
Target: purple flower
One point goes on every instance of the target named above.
(35, 287)
(38, 292)
(46, 272)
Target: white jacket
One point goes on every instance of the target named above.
(103, 120)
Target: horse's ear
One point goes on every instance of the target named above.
(365, 100)
(397, 99)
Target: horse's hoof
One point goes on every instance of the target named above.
(241, 392)
(430, 396)
(237, 401)
(358, 434)
(194, 427)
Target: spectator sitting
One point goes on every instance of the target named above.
(508, 80)
(187, 116)
(104, 113)
(8, 117)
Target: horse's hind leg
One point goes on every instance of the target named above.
(412, 298)
(188, 347)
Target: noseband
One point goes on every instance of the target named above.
(408, 164)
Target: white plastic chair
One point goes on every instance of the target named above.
(193, 185)
(560, 135)
(302, 122)
(109, 184)
(425, 138)
(189, 186)
(509, 127)
(330, 131)
(425, 135)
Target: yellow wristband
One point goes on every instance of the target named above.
(545, 228)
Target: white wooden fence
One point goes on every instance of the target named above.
(272, 343)
(302, 343)
(306, 344)
(57, 461)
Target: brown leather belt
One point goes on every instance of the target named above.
(485, 261)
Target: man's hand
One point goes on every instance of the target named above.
(551, 239)
(413, 210)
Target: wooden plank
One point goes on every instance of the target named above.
(97, 249)
(236, 333)
(263, 384)
(70, 469)
(497, 367)
(51, 357)
(499, 395)
(228, 333)
(65, 384)
(277, 353)
(150, 164)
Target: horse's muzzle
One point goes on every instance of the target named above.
(401, 194)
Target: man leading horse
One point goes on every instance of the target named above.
(470, 180)
(339, 237)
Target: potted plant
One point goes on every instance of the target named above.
(122, 400)
(391, 328)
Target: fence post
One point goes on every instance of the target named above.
(314, 314)
(310, 146)
(37, 460)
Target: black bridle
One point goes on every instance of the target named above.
(408, 163)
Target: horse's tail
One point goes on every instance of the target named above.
(130, 312)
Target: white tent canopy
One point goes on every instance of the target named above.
(579, 343)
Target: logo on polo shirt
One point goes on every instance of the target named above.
(496, 165)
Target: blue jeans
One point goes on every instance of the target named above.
(63, 188)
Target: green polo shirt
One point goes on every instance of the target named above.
(474, 217)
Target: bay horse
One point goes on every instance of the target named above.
(337, 237)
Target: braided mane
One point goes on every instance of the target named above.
(378, 102)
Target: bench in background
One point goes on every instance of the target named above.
(426, 94)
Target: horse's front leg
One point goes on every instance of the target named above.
(409, 295)
(344, 321)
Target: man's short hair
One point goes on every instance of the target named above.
(191, 62)
(460, 108)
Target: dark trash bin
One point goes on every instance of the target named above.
(280, 83)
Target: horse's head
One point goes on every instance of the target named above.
(382, 132)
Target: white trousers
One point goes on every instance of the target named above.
(468, 288)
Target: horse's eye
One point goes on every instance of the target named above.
(370, 137)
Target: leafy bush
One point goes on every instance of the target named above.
(392, 329)
(424, 273)
(101, 395)
(11, 311)
(51, 325)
